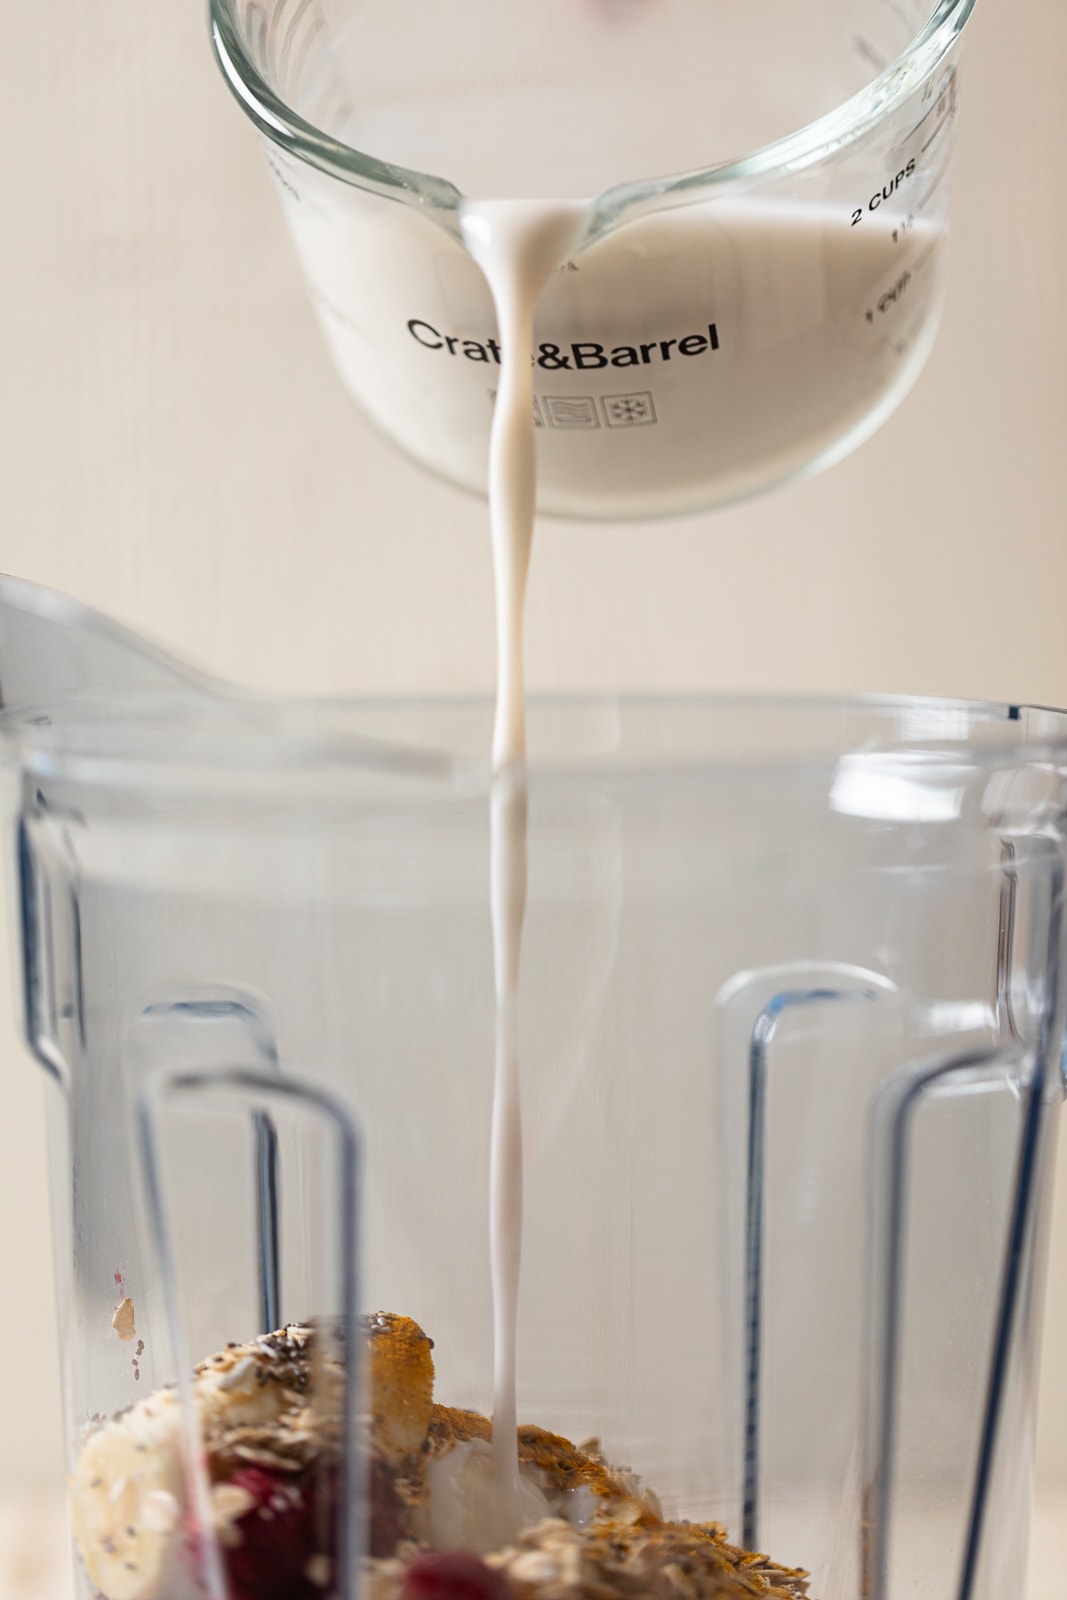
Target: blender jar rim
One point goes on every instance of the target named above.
(84, 696)
(827, 134)
(281, 746)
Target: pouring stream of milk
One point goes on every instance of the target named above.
(517, 244)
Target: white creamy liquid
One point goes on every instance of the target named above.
(517, 244)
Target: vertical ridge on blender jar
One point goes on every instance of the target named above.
(1009, 884)
(1021, 1232)
(267, 1248)
(891, 1122)
(762, 1036)
(753, 1300)
(1017, 1250)
(45, 977)
(260, 1086)
(34, 983)
(194, 1466)
(219, 1007)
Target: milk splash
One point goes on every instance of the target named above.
(517, 244)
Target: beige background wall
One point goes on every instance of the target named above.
(177, 451)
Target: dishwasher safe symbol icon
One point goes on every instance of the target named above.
(629, 410)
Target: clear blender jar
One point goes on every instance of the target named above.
(790, 1021)
(758, 276)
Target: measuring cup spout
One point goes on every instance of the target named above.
(56, 653)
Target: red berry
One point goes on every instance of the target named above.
(388, 1518)
(453, 1575)
(275, 1538)
(291, 1518)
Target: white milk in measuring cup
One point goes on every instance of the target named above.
(690, 354)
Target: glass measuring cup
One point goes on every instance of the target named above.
(791, 1015)
(758, 280)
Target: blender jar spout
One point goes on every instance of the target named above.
(57, 655)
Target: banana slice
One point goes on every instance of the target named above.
(126, 1498)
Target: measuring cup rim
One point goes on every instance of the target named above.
(833, 131)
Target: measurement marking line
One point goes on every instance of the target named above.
(924, 258)
(923, 120)
(938, 131)
(935, 185)
(948, 89)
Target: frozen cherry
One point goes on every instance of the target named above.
(274, 1538)
(388, 1516)
(453, 1575)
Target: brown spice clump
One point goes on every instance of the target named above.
(567, 1467)
(616, 1559)
(448, 1426)
(400, 1370)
